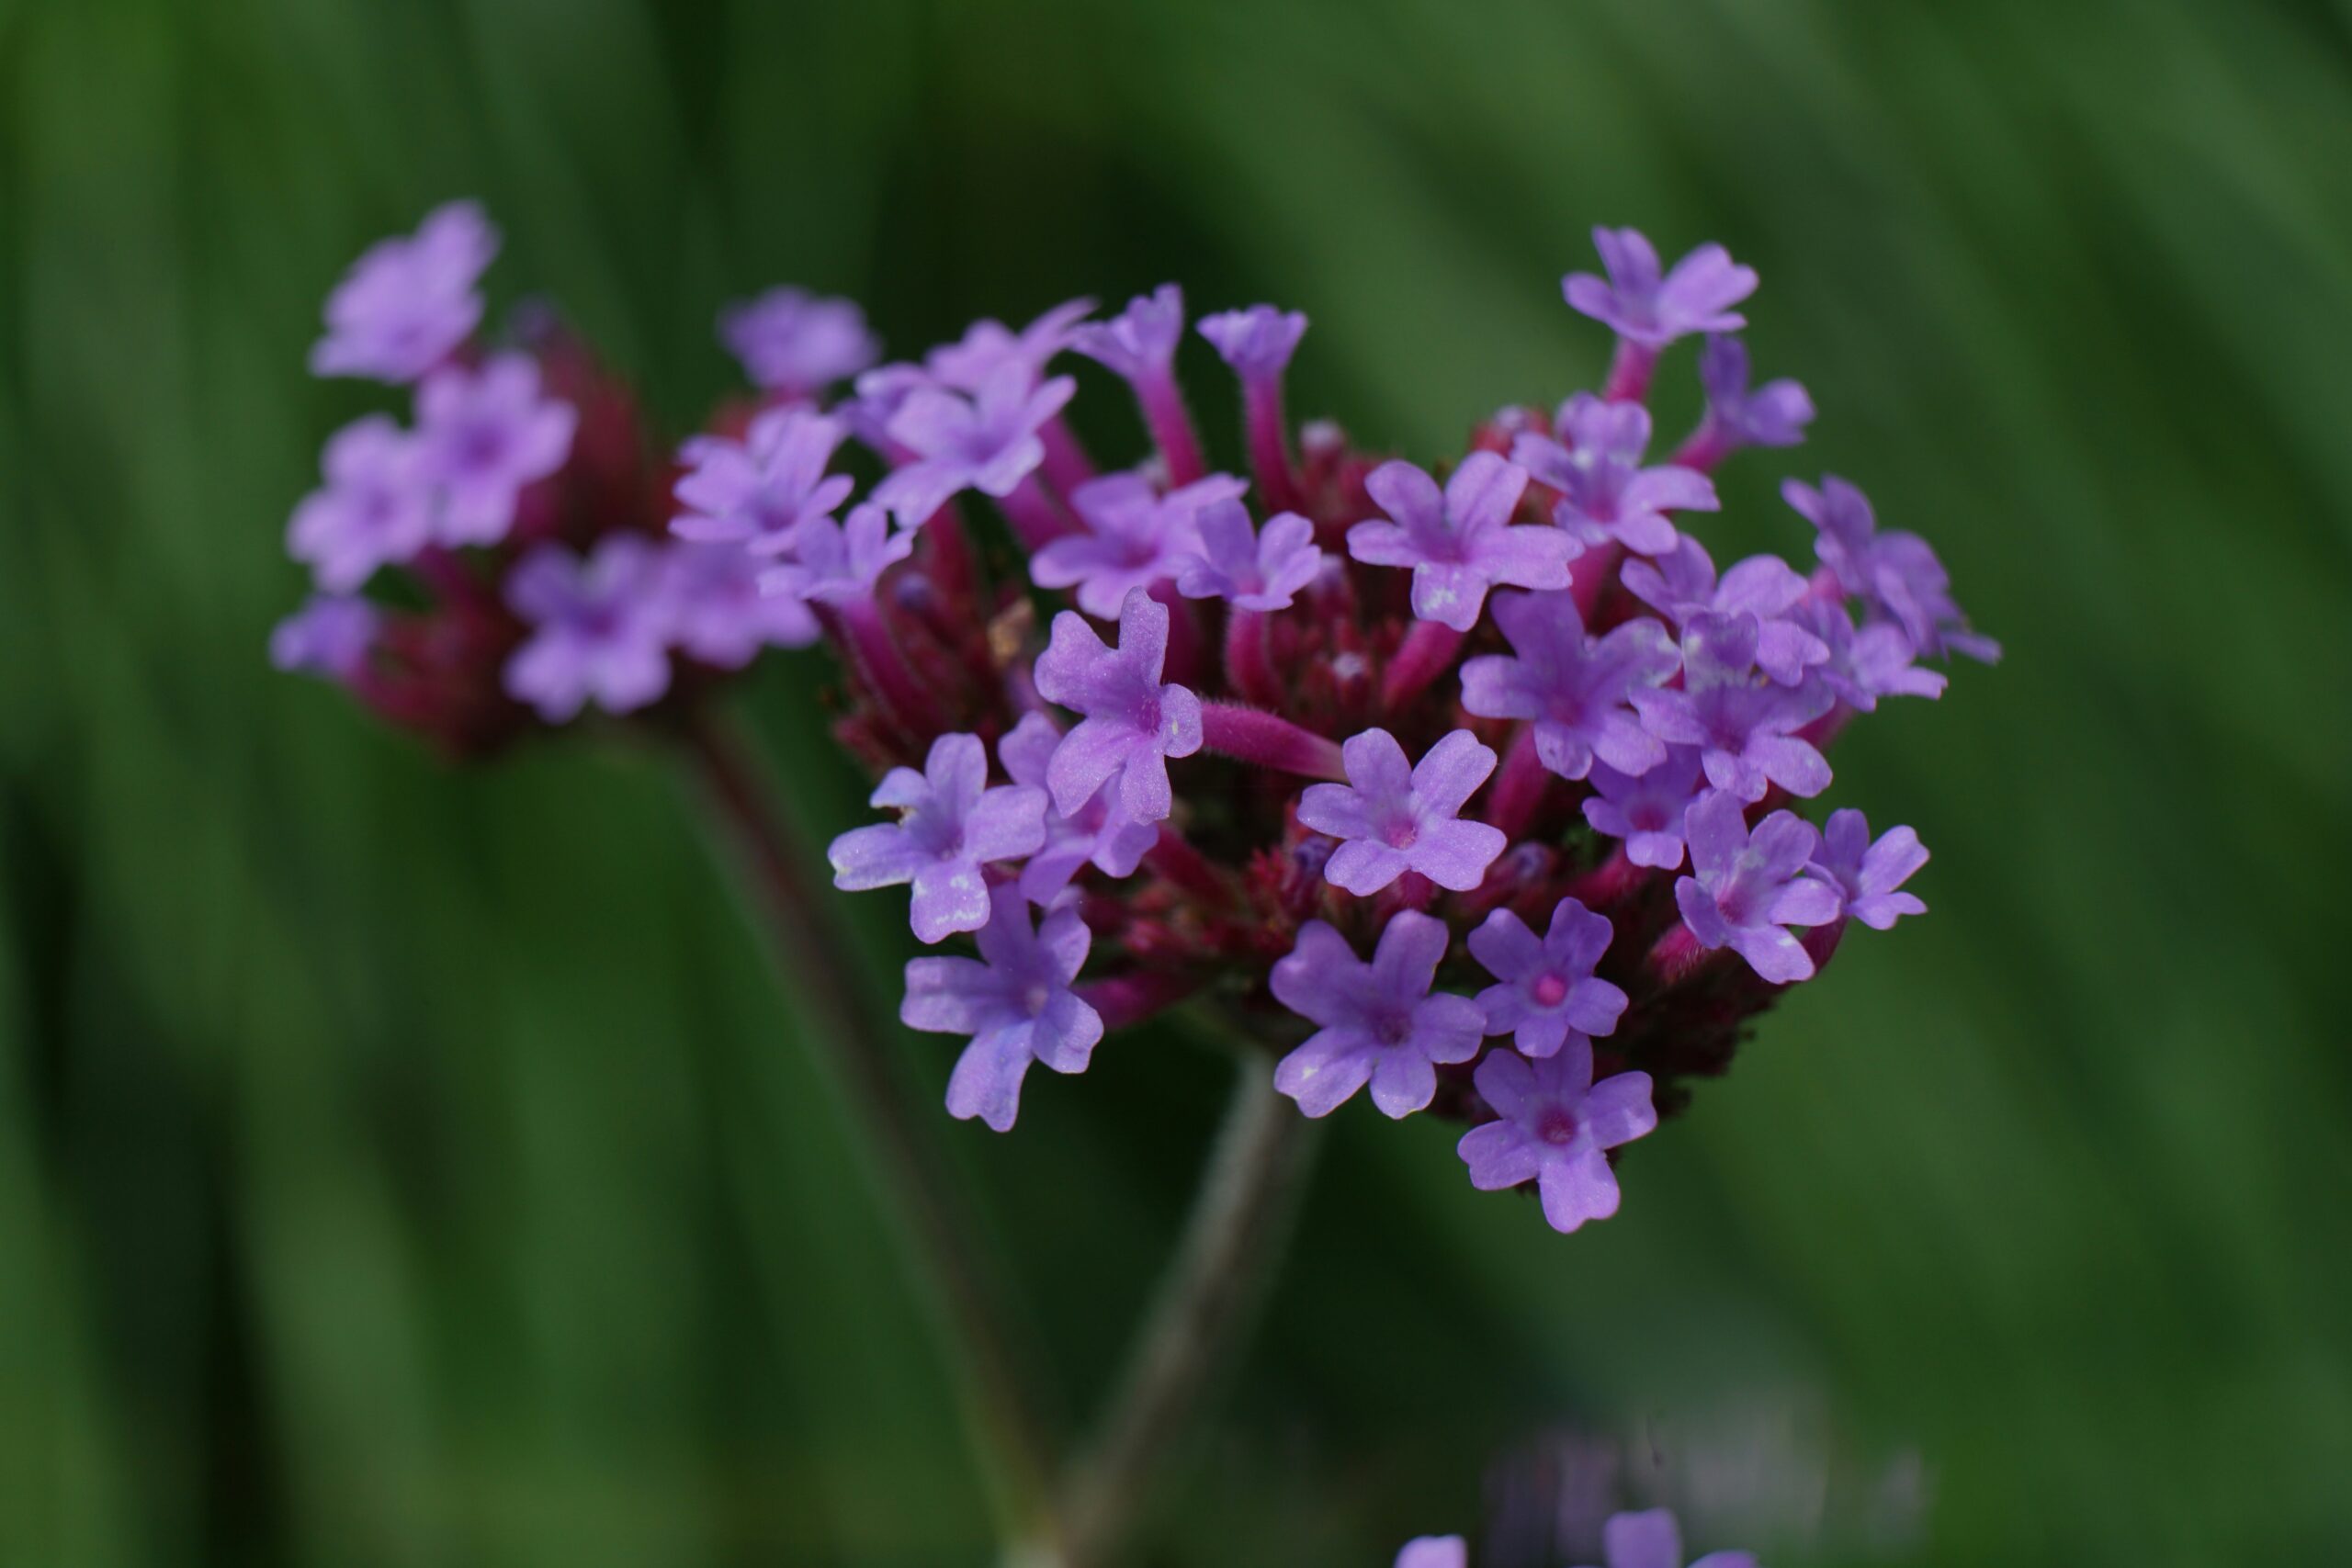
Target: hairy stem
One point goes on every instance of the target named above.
(1200, 1316)
(938, 1238)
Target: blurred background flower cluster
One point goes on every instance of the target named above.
(408, 1166)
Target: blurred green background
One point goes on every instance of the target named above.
(408, 1166)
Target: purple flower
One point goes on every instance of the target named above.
(1641, 307)
(1743, 723)
(1596, 465)
(1650, 1540)
(841, 563)
(487, 434)
(601, 628)
(950, 825)
(1379, 1021)
(1863, 665)
(1683, 583)
(1257, 342)
(1099, 834)
(1647, 810)
(1895, 574)
(796, 343)
(1459, 542)
(1260, 571)
(758, 492)
(1869, 874)
(1434, 1551)
(408, 302)
(376, 508)
(1131, 723)
(1748, 888)
(1134, 536)
(1014, 1001)
(1392, 817)
(1139, 343)
(987, 442)
(329, 636)
(1549, 993)
(722, 619)
(1774, 414)
(1556, 1126)
(989, 347)
(1576, 688)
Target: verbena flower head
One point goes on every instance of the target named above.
(1015, 1002)
(408, 303)
(1250, 569)
(1605, 494)
(1459, 541)
(795, 343)
(1393, 817)
(950, 825)
(1379, 1023)
(1441, 782)
(487, 434)
(1555, 1126)
(1134, 536)
(758, 492)
(1642, 305)
(1575, 690)
(377, 507)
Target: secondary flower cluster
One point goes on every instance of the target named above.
(1649, 1539)
(521, 509)
(1473, 786)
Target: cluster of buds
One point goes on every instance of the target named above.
(1484, 777)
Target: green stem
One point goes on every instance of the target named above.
(938, 1238)
(1202, 1312)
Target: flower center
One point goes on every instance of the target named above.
(1034, 999)
(1393, 1028)
(1549, 990)
(479, 447)
(1557, 1125)
(1402, 833)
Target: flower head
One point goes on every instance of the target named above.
(409, 301)
(796, 343)
(1131, 722)
(1743, 722)
(1134, 537)
(758, 492)
(1747, 888)
(1014, 1001)
(374, 510)
(1895, 574)
(600, 628)
(1139, 343)
(1548, 992)
(1605, 494)
(329, 636)
(723, 619)
(1459, 542)
(1099, 834)
(1554, 1128)
(488, 433)
(951, 824)
(841, 563)
(1257, 342)
(987, 442)
(1683, 583)
(1261, 570)
(1642, 307)
(1869, 874)
(1393, 817)
(1379, 1023)
(1646, 809)
(1575, 687)
(1774, 414)
(1649, 1539)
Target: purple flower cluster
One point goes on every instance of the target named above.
(1649, 1539)
(1471, 786)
